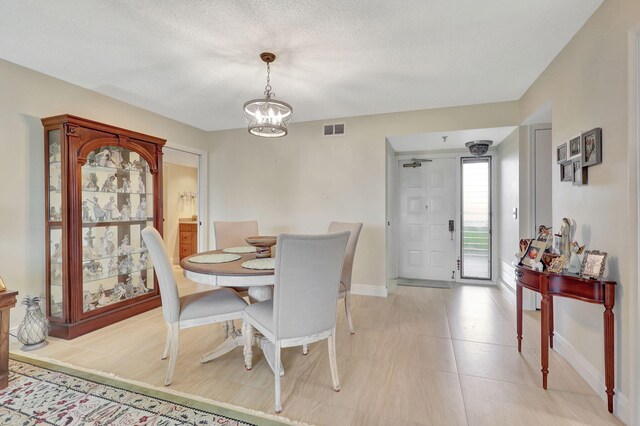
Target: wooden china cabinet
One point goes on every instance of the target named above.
(103, 186)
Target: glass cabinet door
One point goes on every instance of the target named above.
(116, 205)
(56, 300)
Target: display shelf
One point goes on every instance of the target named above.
(104, 187)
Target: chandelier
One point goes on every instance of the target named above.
(267, 117)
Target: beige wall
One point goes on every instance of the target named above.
(302, 182)
(587, 84)
(178, 179)
(25, 97)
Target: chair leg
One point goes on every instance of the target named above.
(247, 331)
(225, 329)
(175, 342)
(232, 325)
(332, 362)
(305, 349)
(347, 308)
(277, 380)
(167, 344)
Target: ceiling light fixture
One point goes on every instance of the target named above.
(268, 117)
(478, 148)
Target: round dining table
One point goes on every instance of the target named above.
(259, 283)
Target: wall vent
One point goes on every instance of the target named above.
(333, 129)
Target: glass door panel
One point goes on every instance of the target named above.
(476, 219)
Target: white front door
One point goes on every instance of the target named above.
(427, 204)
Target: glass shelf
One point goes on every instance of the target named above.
(117, 222)
(88, 191)
(107, 276)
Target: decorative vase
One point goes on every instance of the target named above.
(34, 328)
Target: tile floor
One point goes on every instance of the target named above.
(422, 356)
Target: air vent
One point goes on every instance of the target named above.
(333, 129)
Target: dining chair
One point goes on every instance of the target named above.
(233, 234)
(303, 308)
(193, 310)
(347, 267)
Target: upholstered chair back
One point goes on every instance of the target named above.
(347, 268)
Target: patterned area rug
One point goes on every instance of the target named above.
(49, 394)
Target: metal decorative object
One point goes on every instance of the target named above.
(478, 148)
(34, 328)
(268, 117)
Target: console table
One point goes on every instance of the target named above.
(573, 287)
(7, 301)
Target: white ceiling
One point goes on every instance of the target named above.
(455, 140)
(197, 61)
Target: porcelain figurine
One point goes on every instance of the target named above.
(141, 188)
(86, 217)
(92, 183)
(108, 237)
(142, 263)
(104, 300)
(125, 246)
(109, 184)
(126, 186)
(125, 210)
(54, 152)
(56, 252)
(126, 265)
(141, 213)
(98, 211)
(128, 287)
(89, 251)
(112, 268)
(112, 209)
(565, 236)
(103, 158)
(91, 159)
(575, 263)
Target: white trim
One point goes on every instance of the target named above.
(591, 375)
(508, 292)
(369, 290)
(203, 189)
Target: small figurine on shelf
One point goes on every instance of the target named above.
(112, 268)
(141, 188)
(56, 252)
(91, 159)
(59, 187)
(86, 301)
(126, 186)
(54, 152)
(141, 213)
(575, 263)
(112, 209)
(125, 210)
(86, 217)
(140, 287)
(118, 292)
(54, 215)
(142, 263)
(104, 300)
(126, 265)
(109, 184)
(137, 165)
(565, 236)
(88, 251)
(103, 158)
(126, 165)
(125, 246)
(98, 211)
(110, 247)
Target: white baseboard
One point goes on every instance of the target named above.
(369, 290)
(591, 375)
(587, 371)
(509, 293)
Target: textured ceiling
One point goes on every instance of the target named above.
(197, 61)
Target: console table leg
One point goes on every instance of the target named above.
(519, 315)
(608, 347)
(544, 338)
(4, 347)
(551, 321)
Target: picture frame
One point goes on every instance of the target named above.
(575, 147)
(534, 253)
(561, 153)
(557, 264)
(566, 172)
(591, 150)
(593, 264)
(579, 173)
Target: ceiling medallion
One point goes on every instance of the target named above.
(478, 148)
(268, 117)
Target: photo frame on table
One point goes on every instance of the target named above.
(557, 264)
(566, 172)
(534, 253)
(561, 153)
(575, 147)
(591, 150)
(593, 264)
(579, 172)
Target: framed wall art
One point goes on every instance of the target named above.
(575, 146)
(579, 173)
(566, 172)
(561, 152)
(593, 264)
(591, 150)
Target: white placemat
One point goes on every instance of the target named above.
(241, 249)
(215, 258)
(267, 263)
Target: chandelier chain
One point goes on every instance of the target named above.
(267, 88)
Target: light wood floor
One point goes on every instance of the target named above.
(422, 356)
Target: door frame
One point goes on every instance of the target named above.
(203, 179)
(395, 214)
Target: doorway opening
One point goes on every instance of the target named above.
(184, 197)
